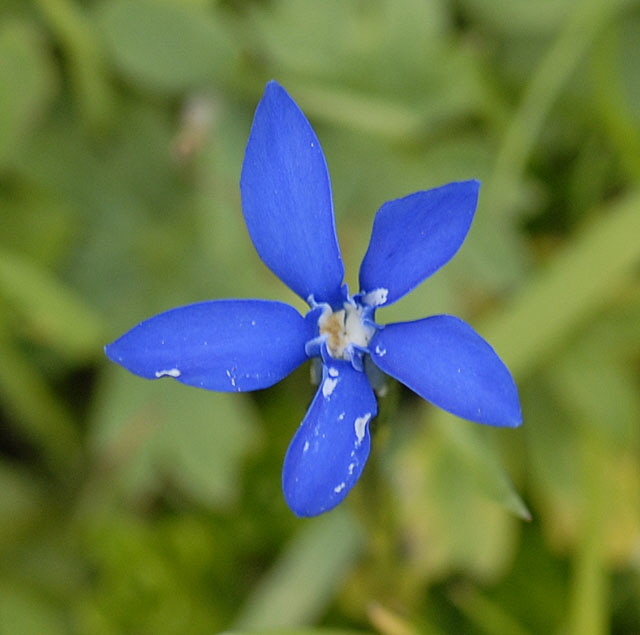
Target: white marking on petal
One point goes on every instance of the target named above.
(381, 352)
(360, 425)
(333, 372)
(377, 297)
(350, 468)
(306, 447)
(231, 377)
(328, 387)
(341, 416)
(340, 487)
(171, 372)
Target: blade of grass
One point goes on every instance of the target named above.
(49, 312)
(569, 48)
(86, 64)
(33, 404)
(579, 282)
(306, 575)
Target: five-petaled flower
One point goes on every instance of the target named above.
(241, 345)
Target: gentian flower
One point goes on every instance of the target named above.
(241, 345)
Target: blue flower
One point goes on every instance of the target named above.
(241, 345)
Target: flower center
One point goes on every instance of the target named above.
(345, 330)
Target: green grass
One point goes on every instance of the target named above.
(148, 507)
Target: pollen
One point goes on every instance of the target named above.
(333, 325)
(344, 329)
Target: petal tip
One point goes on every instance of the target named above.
(515, 421)
(273, 89)
(507, 414)
(110, 350)
(414, 236)
(471, 185)
(305, 503)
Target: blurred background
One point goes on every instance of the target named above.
(137, 507)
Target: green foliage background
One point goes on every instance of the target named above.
(141, 507)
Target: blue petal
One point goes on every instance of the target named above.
(446, 362)
(413, 237)
(329, 450)
(286, 200)
(225, 345)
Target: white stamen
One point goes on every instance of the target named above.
(171, 372)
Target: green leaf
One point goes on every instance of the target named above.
(358, 45)
(40, 412)
(49, 312)
(85, 68)
(167, 45)
(582, 477)
(306, 575)
(27, 85)
(601, 393)
(617, 92)
(37, 223)
(553, 462)
(24, 611)
(20, 504)
(296, 631)
(578, 282)
(149, 431)
(204, 441)
(629, 60)
(522, 17)
(501, 192)
(447, 480)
